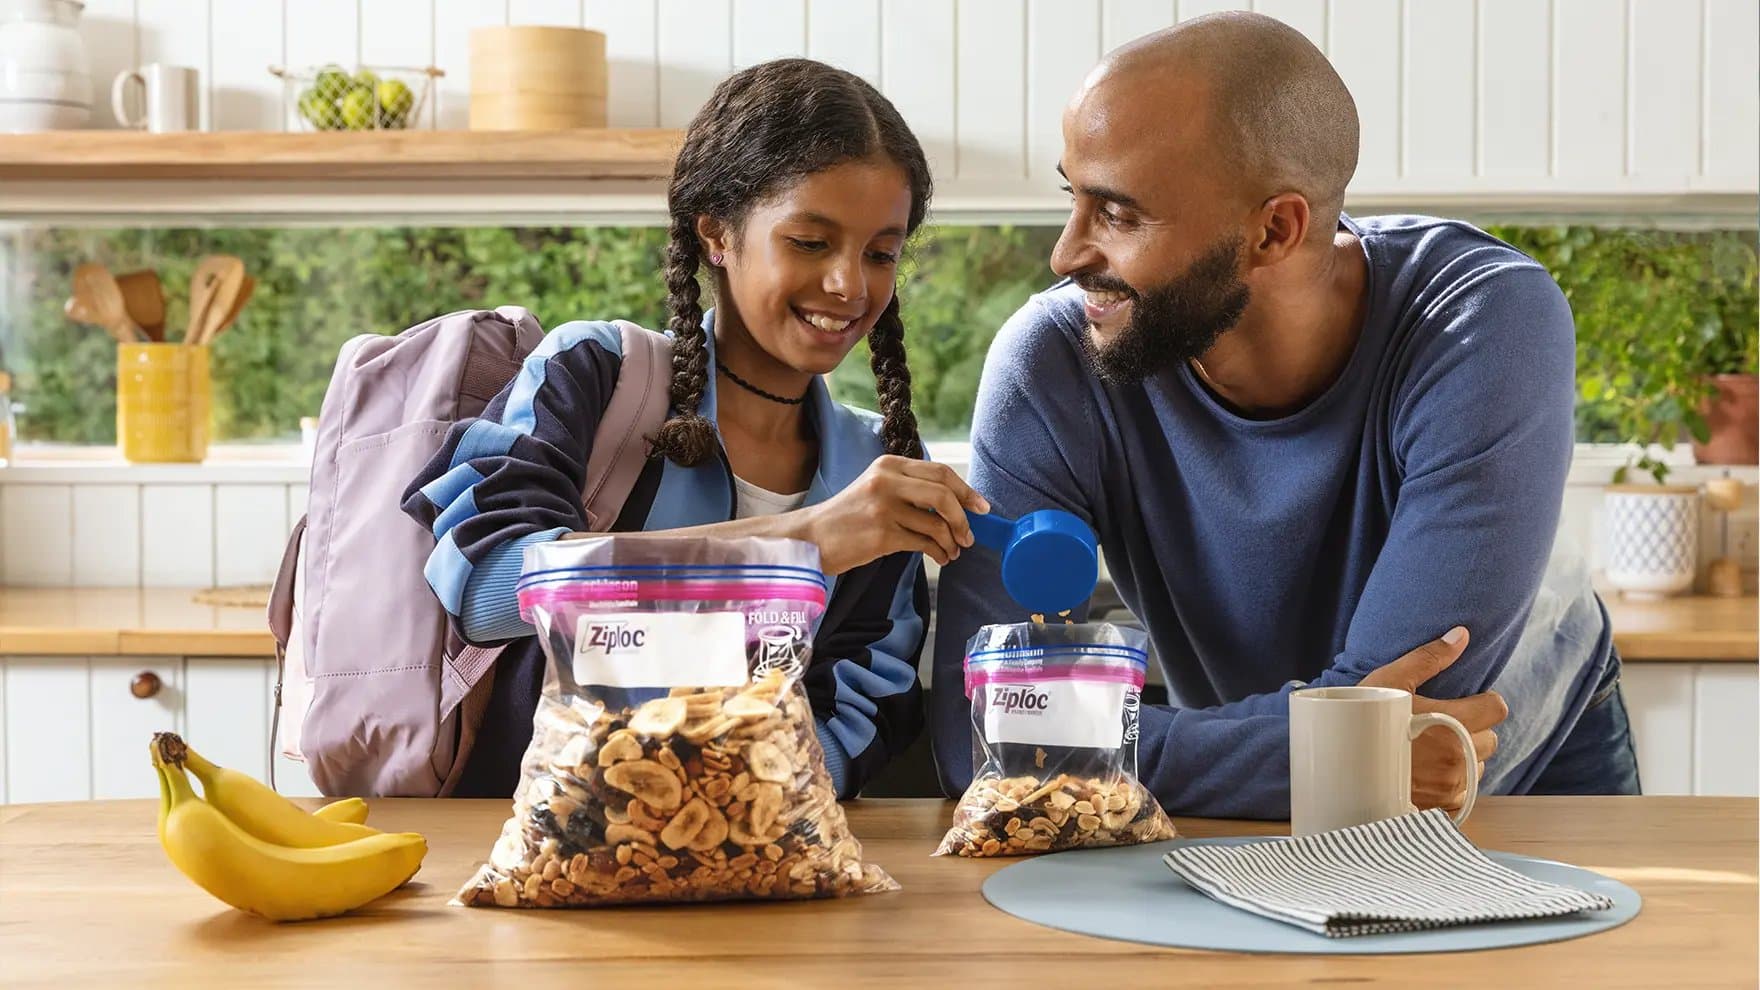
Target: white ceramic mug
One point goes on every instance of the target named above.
(168, 95)
(1350, 756)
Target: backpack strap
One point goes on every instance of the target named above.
(281, 628)
(281, 594)
(639, 403)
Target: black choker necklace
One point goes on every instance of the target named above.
(755, 390)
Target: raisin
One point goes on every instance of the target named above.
(586, 826)
(545, 820)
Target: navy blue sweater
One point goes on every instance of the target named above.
(513, 477)
(1420, 491)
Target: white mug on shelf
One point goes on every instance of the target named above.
(1350, 756)
(168, 98)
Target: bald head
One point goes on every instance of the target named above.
(1272, 110)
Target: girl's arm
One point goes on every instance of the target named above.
(513, 477)
(863, 678)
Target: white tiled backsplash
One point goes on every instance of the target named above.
(153, 534)
(203, 526)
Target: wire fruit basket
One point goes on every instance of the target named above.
(369, 98)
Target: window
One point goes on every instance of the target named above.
(1693, 291)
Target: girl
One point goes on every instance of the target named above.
(797, 188)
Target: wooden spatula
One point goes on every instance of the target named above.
(95, 291)
(144, 299)
(217, 276)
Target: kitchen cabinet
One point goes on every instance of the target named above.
(74, 728)
(1693, 725)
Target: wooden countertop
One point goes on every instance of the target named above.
(127, 621)
(168, 622)
(89, 899)
(1694, 627)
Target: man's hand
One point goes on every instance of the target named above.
(1439, 772)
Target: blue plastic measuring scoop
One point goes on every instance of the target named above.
(1050, 558)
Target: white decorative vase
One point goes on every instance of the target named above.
(45, 75)
(1652, 539)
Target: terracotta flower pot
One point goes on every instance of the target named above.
(1734, 416)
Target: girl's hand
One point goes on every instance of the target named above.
(897, 504)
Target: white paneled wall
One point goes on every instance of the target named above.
(917, 61)
(1518, 140)
(1543, 96)
(120, 535)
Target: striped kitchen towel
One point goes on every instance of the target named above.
(1403, 874)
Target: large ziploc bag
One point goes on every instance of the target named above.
(673, 754)
(1054, 741)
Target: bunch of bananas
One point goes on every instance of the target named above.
(260, 852)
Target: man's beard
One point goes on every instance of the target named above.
(1174, 322)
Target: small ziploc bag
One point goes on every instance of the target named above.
(1054, 741)
(673, 754)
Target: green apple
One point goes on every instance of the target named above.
(357, 110)
(395, 97)
(332, 82)
(316, 110)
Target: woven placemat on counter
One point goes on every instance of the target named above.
(237, 596)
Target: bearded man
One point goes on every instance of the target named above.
(1318, 450)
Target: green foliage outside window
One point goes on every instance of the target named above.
(1654, 310)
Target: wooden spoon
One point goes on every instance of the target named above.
(144, 298)
(96, 292)
(216, 276)
(244, 294)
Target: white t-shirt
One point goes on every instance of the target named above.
(754, 501)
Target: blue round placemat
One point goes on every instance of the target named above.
(1129, 894)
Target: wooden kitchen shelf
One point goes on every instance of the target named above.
(364, 155)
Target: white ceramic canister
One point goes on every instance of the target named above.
(45, 74)
(1652, 538)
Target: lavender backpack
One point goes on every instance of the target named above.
(376, 692)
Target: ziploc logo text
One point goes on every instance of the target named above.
(1019, 699)
(616, 637)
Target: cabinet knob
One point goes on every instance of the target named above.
(146, 684)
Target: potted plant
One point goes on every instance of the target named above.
(1732, 408)
(1690, 357)
(1658, 313)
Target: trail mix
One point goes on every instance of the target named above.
(703, 794)
(1014, 816)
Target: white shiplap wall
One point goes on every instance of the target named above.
(177, 534)
(1543, 97)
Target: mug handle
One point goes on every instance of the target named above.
(1429, 720)
(118, 93)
